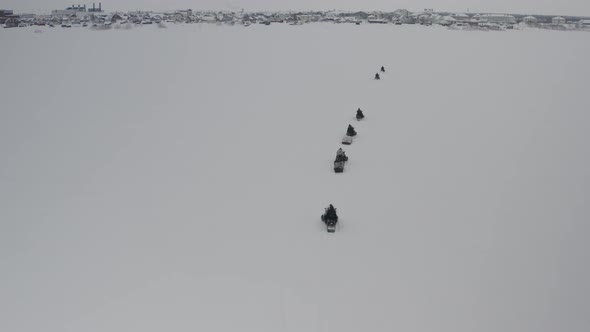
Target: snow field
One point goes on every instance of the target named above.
(173, 179)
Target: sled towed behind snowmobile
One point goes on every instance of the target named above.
(347, 140)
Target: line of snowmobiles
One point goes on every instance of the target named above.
(330, 218)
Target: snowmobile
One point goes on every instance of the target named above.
(331, 227)
(382, 69)
(341, 158)
(350, 131)
(339, 166)
(341, 155)
(359, 115)
(330, 219)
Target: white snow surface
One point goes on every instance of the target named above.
(173, 179)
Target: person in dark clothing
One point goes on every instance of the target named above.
(330, 216)
(350, 131)
(382, 69)
(359, 114)
(377, 76)
(341, 155)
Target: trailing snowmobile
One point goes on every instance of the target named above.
(377, 77)
(341, 159)
(341, 155)
(359, 115)
(350, 131)
(339, 166)
(330, 218)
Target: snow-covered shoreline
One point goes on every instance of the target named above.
(78, 16)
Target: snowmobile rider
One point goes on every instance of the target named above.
(350, 131)
(359, 114)
(377, 76)
(382, 69)
(341, 156)
(330, 214)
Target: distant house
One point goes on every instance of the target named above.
(305, 18)
(225, 18)
(69, 11)
(11, 23)
(583, 24)
(530, 20)
(64, 12)
(558, 20)
(445, 20)
(117, 18)
(460, 17)
(5, 14)
(187, 12)
(374, 19)
(425, 19)
(410, 19)
(27, 16)
(497, 18)
(361, 15)
(208, 18)
(435, 19)
(401, 12)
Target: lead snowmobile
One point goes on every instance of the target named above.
(382, 69)
(330, 218)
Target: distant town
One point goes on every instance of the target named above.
(96, 17)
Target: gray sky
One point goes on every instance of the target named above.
(569, 7)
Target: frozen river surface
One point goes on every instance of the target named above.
(173, 179)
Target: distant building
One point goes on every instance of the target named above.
(5, 15)
(444, 20)
(425, 19)
(583, 24)
(11, 23)
(305, 18)
(497, 18)
(94, 9)
(530, 20)
(374, 19)
(69, 11)
(117, 18)
(401, 12)
(461, 17)
(187, 12)
(77, 8)
(208, 18)
(558, 20)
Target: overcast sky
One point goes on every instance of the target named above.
(563, 7)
